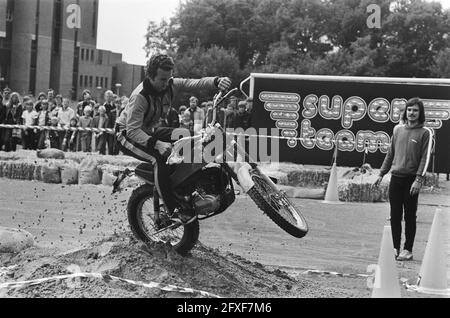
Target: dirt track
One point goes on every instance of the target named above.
(241, 243)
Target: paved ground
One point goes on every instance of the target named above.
(343, 237)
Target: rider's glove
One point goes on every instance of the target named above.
(223, 83)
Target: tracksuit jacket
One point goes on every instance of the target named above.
(410, 151)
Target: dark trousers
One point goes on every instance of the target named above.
(140, 152)
(28, 139)
(402, 203)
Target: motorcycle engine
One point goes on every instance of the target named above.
(206, 189)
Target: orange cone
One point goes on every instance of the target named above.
(332, 195)
(386, 283)
(433, 272)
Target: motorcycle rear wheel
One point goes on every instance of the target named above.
(141, 217)
(277, 206)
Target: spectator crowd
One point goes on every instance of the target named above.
(50, 109)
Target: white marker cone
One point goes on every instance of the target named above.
(386, 283)
(332, 195)
(433, 272)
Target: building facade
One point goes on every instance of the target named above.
(53, 44)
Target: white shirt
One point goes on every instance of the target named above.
(64, 116)
(29, 117)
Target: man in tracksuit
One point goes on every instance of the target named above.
(139, 128)
(408, 156)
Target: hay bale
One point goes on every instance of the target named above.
(50, 153)
(51, 173)
(109, 174)
(309, 178)
(362, 191)
(14, 240)
(69, 172)
(89, 173)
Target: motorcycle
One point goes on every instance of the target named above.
(204, 190)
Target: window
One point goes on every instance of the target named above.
(92, 55)
(82, 54)
(90, 81)
(85, 80)
(81, 80)
(96, 81)
(106, 82)
(101, 81)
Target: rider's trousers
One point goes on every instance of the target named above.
(140, 152)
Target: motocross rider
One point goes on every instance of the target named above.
(139, 127)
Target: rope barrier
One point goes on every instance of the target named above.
(106, 278)
(53, 128)
(112, 131)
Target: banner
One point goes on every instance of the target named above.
(358, 113)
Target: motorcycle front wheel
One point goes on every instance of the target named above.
(142, 220)
(277, 206)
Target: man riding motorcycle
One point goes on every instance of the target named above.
(139, 128)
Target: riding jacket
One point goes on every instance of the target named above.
(147, 108)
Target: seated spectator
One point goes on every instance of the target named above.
(43, 120)
(70, 138)
(100, 121)
(85, 137)
(29, 118)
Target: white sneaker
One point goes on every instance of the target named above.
(405, 255)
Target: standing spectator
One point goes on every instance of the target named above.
(29, 117)
(243, 119)
(181, 111)
(50, 95)
(230, 117)
(2, 119)
(53, 135)
(85, 137)
(41, 97)
(55, 106)
(111, 114)
(64, 117)
(70, 138)
(101, 121)
(220, 115)
(187, 122)
(115, 113)
(6, 95)
(86, 101)
(408, 156)
(172, 119)
(13, 116)
(196, 113)
(43, 120)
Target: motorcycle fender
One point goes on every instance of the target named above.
(242, 171)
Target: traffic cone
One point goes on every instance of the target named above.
(433, 272)
(332, 195)
(386, 284)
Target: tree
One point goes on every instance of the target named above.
(159, 38)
